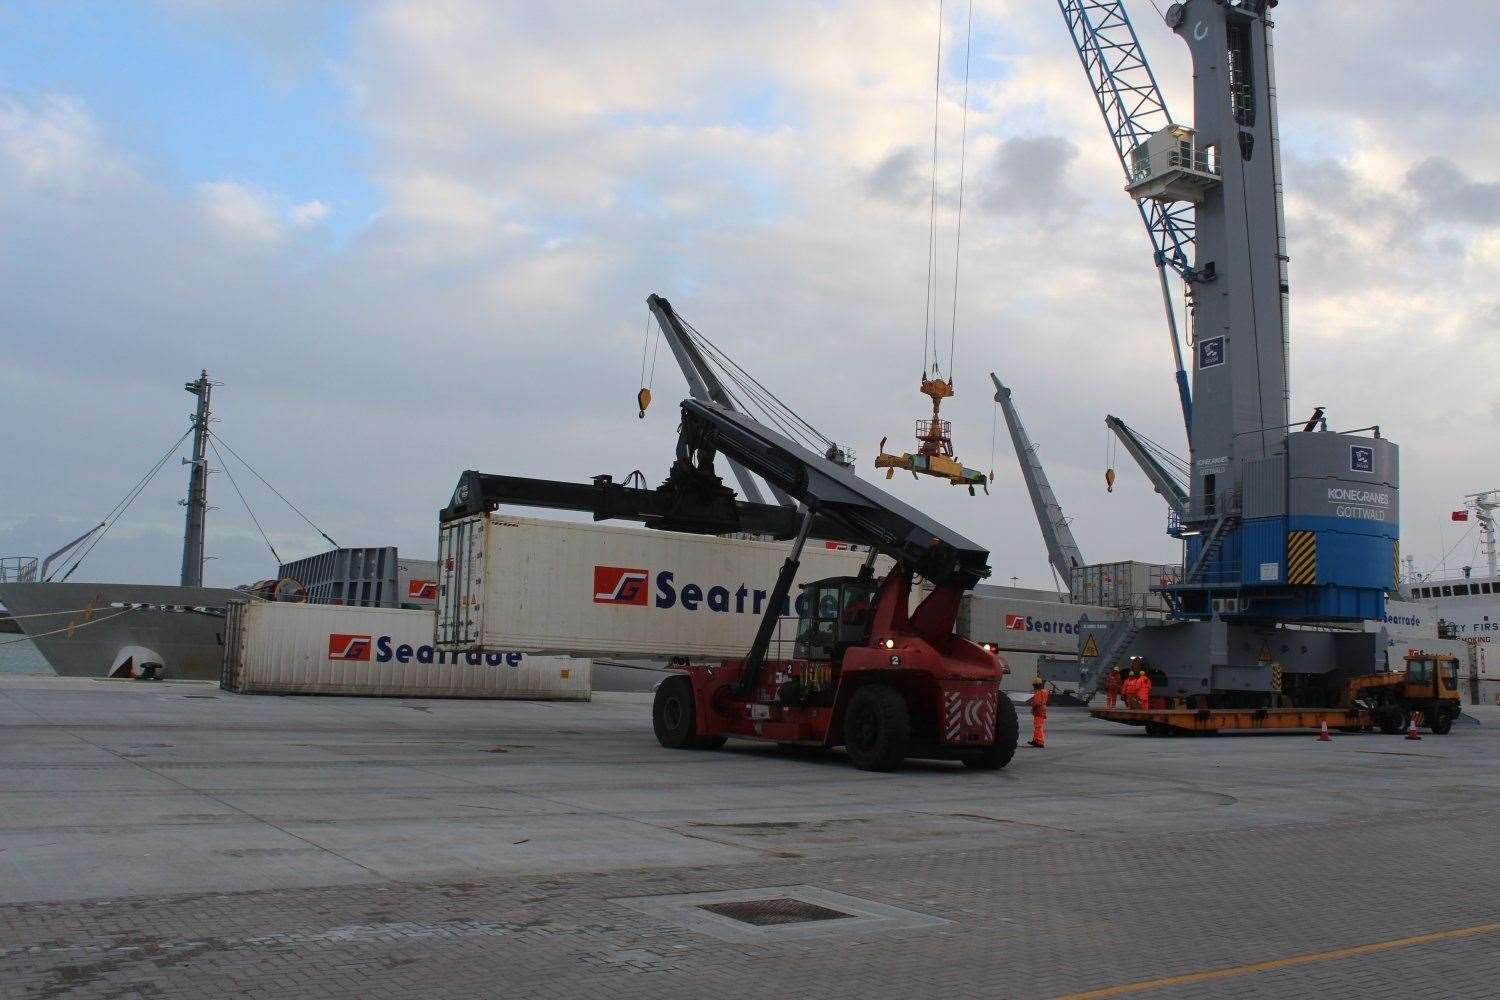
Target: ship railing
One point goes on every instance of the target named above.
(18, 569)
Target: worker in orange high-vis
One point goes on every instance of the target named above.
(1143, 688)
(1038, 703)
(1133, 684)
(1113, 683)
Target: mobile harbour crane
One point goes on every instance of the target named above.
(1284, 532)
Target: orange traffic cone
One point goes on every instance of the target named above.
(1323, 736)
(1411, 730)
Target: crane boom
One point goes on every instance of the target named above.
(1134, 109)
(1172, 490)
(1062, 549)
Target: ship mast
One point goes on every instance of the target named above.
(1485, 505)
(197, 498)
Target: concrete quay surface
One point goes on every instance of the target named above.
(175, 840)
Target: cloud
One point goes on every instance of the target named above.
(1444, 189)
(308, 213)
(1028, 175)
(897, 178)
(242, 212)
(50, 145)
(540, 169)
(245, 214)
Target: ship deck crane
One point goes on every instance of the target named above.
(871, 676)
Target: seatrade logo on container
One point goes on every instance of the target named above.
(348, 647)
(618, 585)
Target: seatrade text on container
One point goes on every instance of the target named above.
(358, 648)
(627, 586)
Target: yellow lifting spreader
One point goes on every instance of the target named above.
(934, 455)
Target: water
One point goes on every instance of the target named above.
(19, 656)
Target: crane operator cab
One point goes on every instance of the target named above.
(835, 616)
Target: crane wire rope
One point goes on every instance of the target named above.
(119, 509)
(929, 315)
(257, 475)
(647, 380)
(752, 387)
(994, 427)
(958, 225)
(241, 494)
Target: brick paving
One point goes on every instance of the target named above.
(1044, 907)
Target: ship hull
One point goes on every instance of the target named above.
(81, 628)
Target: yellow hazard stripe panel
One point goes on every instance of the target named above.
(1301, 557)
(1396, 565)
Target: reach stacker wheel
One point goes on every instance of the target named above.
(877, 728)
(675, 717)
(1007, 734)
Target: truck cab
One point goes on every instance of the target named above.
(1431, 687)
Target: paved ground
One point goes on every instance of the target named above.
(175, 840)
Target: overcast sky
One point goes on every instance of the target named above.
(410, 238)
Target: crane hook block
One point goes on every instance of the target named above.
(643, 400)
(934, 455)
(1109, 480)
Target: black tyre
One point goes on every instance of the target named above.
(1442, 723)
(1007, 734)
(877, 728)
(1391, 719)
(1158, 729)
(674, 716)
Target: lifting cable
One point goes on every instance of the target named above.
(257, 475)
(254, 520)
(643, 397)
(994, 426)
(119, 509)
(958, 226)
(929, 315)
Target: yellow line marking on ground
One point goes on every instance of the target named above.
(1281, 963)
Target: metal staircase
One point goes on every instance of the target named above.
(1118, 639)
(1211, 546)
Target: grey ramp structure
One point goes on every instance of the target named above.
(371, 577)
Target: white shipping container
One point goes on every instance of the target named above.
(562, 587)
(274, 648)
(1028, 626)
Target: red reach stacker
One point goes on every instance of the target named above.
(866, 672)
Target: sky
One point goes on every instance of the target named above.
(412, 237)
